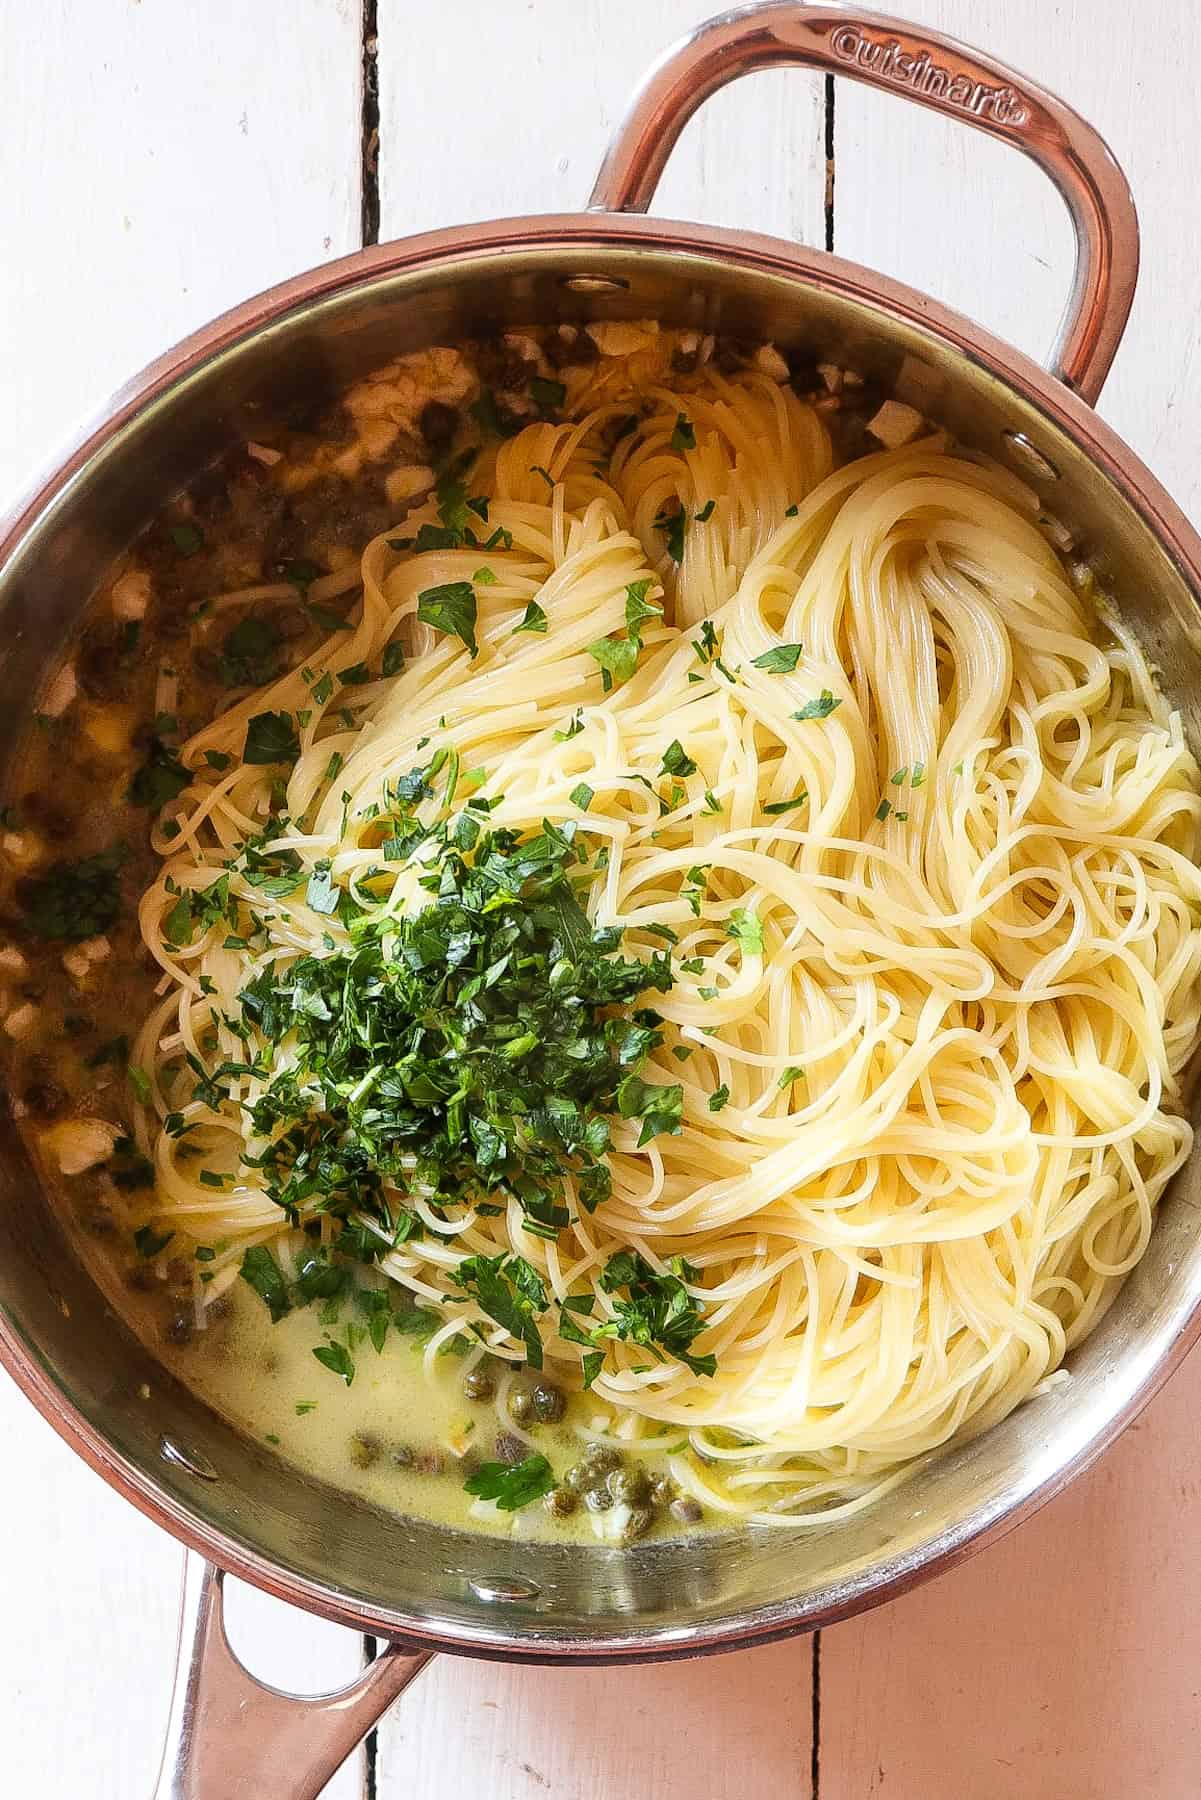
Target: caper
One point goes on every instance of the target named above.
(663, 1490)
(402, 1456)
(600, 1458)
(479, 1383)
(510, 1448)
(598, 1499)
(548, 1403)
(521, 1405)
(638, 1524)
(429, 1462)
(630, 1486)
(560, 1502)
(364, 1449)
(686, 1510)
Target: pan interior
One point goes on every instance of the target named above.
(327, 1549)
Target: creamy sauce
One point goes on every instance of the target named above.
(396, 1438)
(153, 663)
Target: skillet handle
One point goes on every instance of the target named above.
(231, 1737)
(937, 72)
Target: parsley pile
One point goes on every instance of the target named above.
(475, 1051)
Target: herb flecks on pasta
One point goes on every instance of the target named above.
(719, 924)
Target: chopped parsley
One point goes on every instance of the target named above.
(671, 524)
(469, 1047)
(683, 437)
(511, 1291)
(821, 708)
(250, 653)
(451, 608)
(162, 777)
(676, 761)
(150, 1243)
(659, 1106)
(618, 658)
(746, 929)
(782, 659)
(657, 1310)
(261, 1271)
(74, 901)
(271, 738)
(533, 619)
(337, 1358)
(512, 1485)
(639, 608)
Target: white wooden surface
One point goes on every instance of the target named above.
(162, 159)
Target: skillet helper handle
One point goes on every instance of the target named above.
(231, 1737)
(935, 71)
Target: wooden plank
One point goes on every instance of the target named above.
(708, 1730)
(90, 1600)
(461, 139)
(161, 163)
(1062, 1662)
(971, 222)
(89, 1592)
(488, 111)
(754, 156)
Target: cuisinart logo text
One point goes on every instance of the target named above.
(920, 72)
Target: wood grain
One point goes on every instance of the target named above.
(464, 136)
(162, 161)
(1062, 1664)
(676, 1731)
(942, 207)
(461, 141)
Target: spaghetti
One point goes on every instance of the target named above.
(924, 835)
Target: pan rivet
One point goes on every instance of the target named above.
(595, 284)
(500, 1590)
(194, 1462)
(1031, 458)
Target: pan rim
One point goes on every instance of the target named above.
(552, 236)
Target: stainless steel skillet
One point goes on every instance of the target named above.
(423, 1587)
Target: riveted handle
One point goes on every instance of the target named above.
(231, 1737)
(937, 72)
